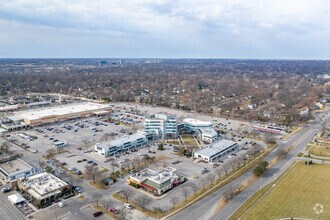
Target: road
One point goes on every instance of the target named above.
(207, 208)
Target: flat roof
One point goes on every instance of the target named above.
(61, 110)
(215, 147)
(159, 176)
(161, 116)
(196, 122)
(122, 140)
(14, 166)
(209, 131)
(43, 184)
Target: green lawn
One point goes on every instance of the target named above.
(296, 195)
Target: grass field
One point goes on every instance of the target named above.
(189, 140)
(320, 151)
(296, 195)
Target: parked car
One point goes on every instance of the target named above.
(60, 204)
(72, 169)
(128, 206)
(78, 172)
(77, 189)
(113, 210)
(97, 214)
(5, 189)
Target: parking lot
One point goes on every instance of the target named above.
(80, 135)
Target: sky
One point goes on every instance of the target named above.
(261, 29)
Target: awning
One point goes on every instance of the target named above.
(16, 198)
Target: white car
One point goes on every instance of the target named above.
(128, 206)
(60, 204)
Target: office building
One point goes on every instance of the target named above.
(192, 125)
(117, 146)
(165, 126)
(216, 150)
(207, 135)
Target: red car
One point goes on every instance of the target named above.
(113, 210)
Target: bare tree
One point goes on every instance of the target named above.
(97, 198)
(106, 203)
(86, 143)
(194, 188)
(127, 193)
(91, 172)
(174, 200)
(281, 153)
(136, 162)
(203, 182)
(50, 152)
(123, 213)
(185, 192)
(143, 201)
(229, 194)
(270, 139)
(225, 168)
(41, 164)
(210, 177)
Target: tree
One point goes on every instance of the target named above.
(85, 143)
(225, 168)
(210, 177)
(91, 172)
(41, 164)
(281, 153)
(123, 213)
(107, 203)
(5, 146)
(160, 147)
(270, 139)
(127, 193)
(174, 200)
(50, 152)
(260, 168)
(96, 197)
(203, 183)
(185, 192)
(194, 188)
(229, 194)
(143, 201)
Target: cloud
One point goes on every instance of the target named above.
(192, 28)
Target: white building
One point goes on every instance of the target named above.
(122, 144)
(165, 126)
(44, 188)
(216, 150)
(63, 112)
(207, 135)
(15, 169)
(192, 125)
